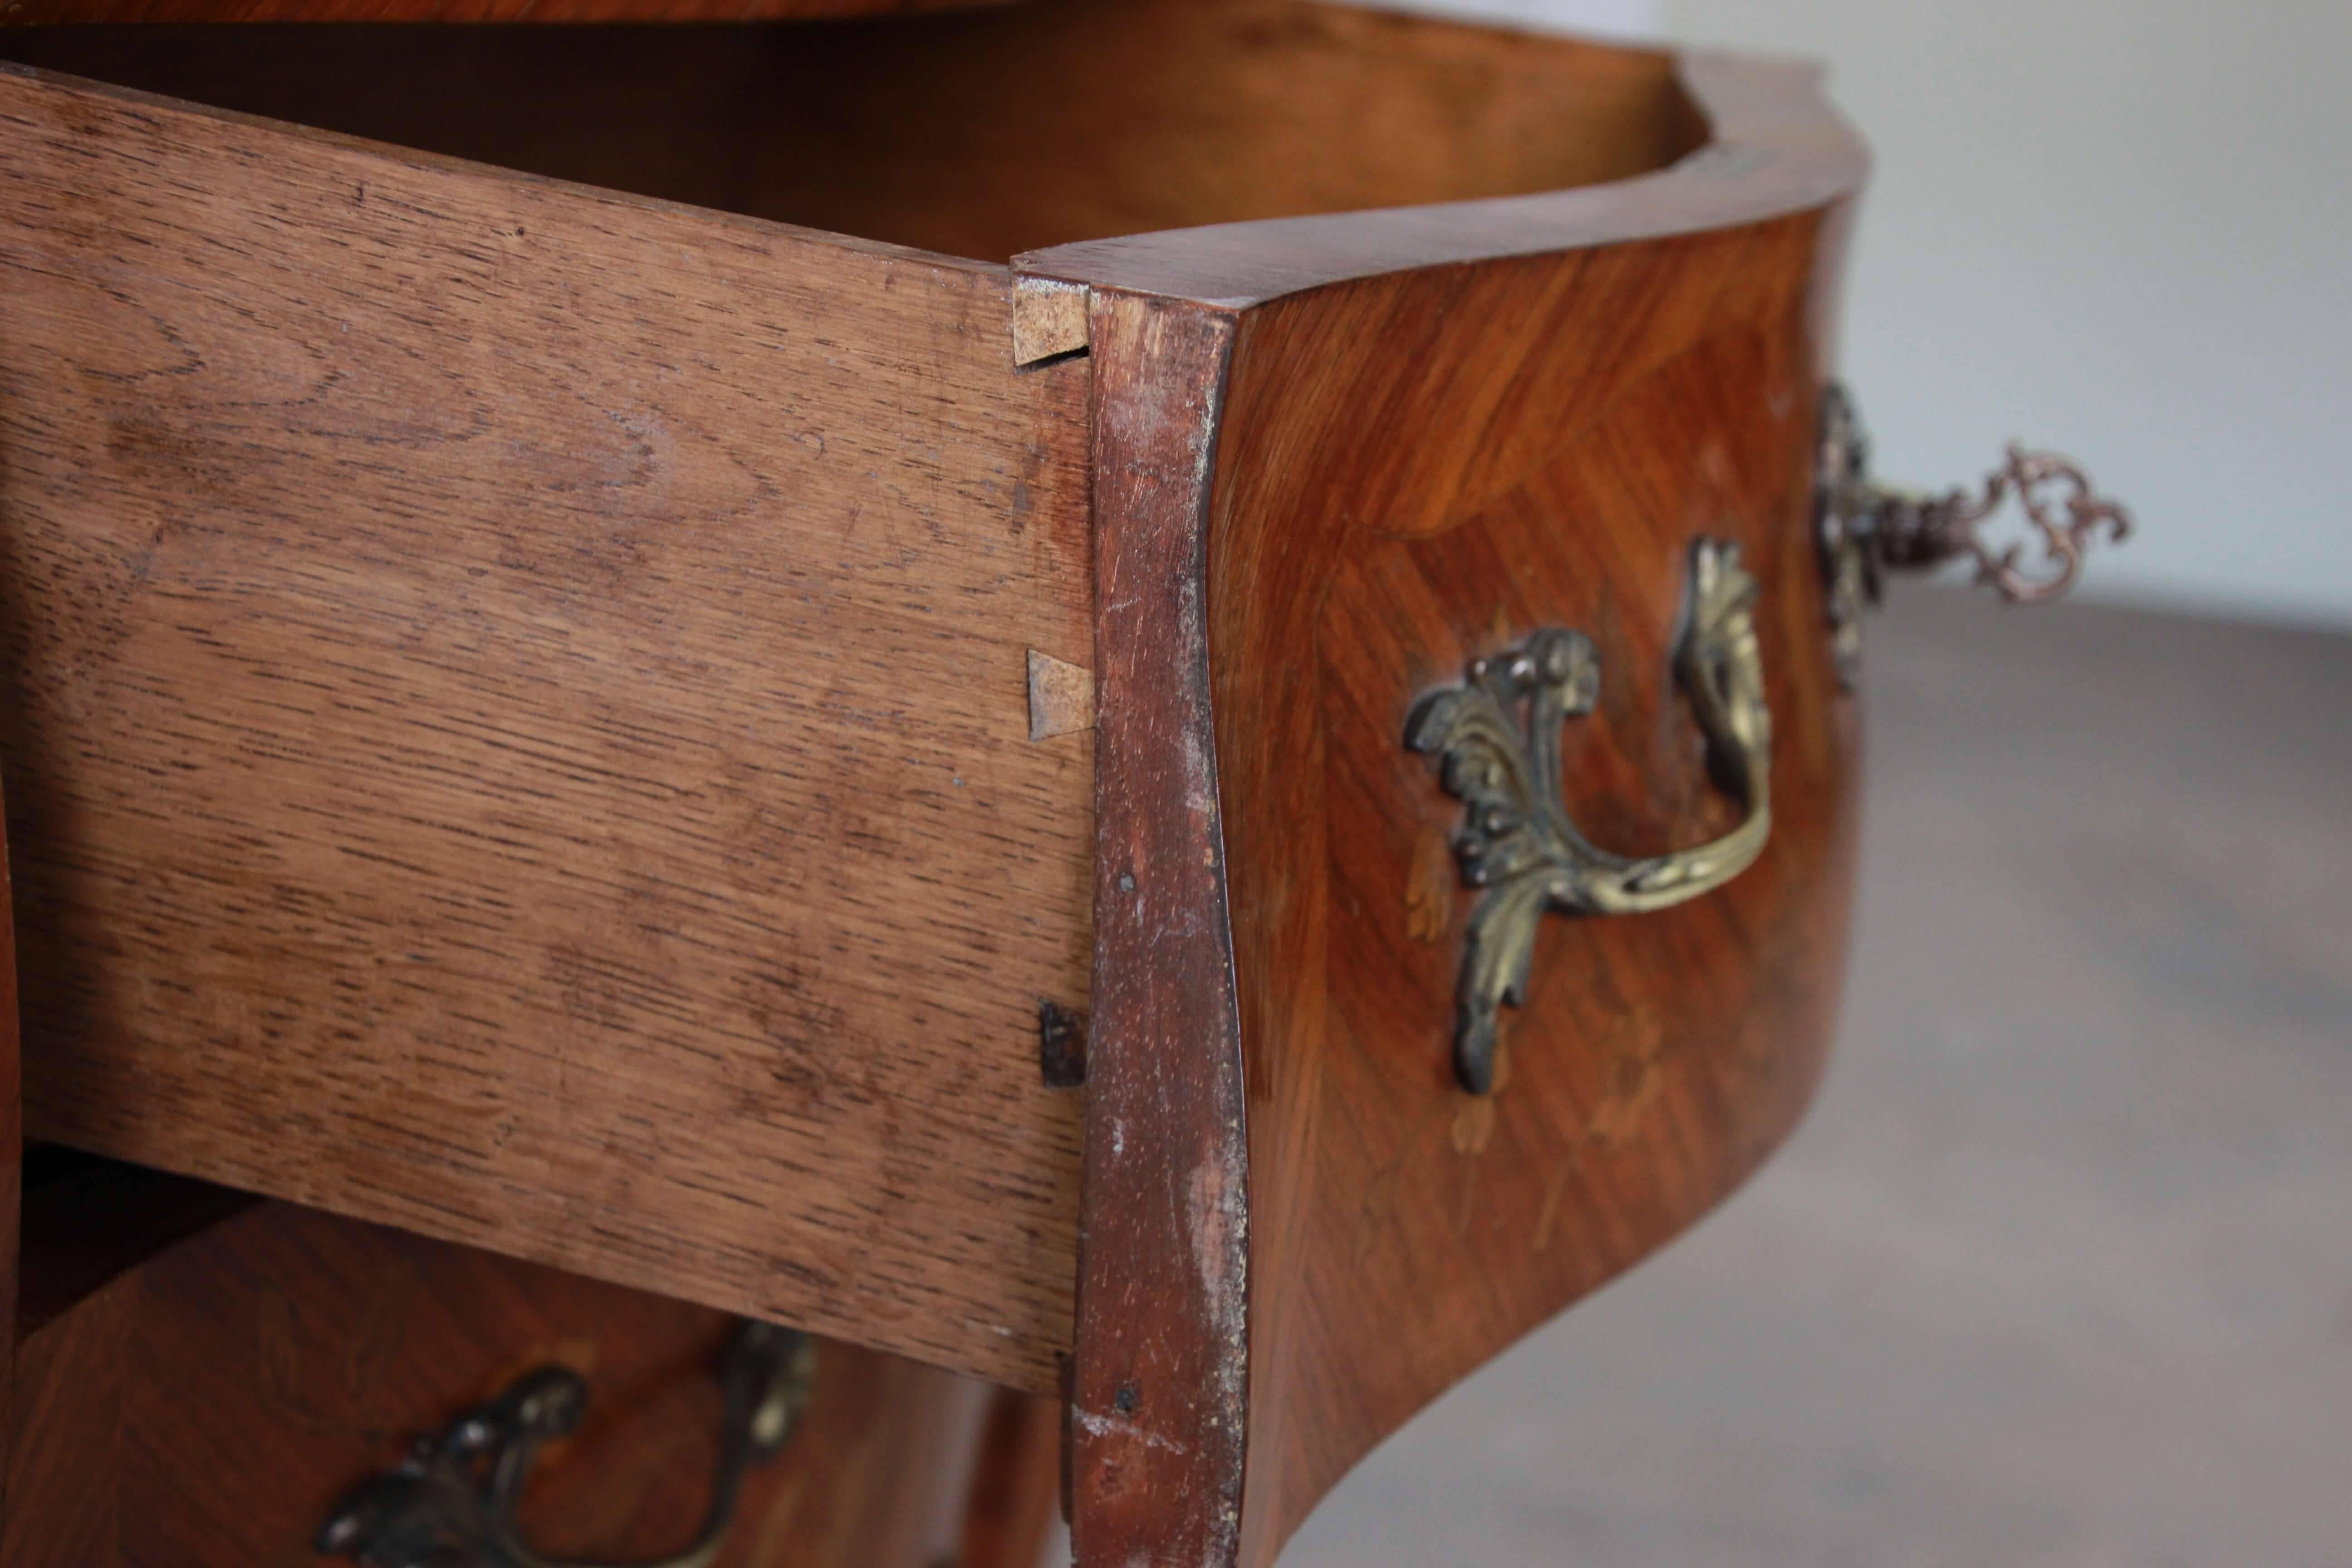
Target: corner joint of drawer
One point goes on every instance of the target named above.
(1049, 320)
(1061, 698)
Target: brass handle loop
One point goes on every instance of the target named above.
(1497, 738)
(450, 1504)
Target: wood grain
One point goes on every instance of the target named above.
(1438, 436)
(516, 719)
(1607, 406)
(210, 1402)
(979, 134)
(1156, 1430)
(1016, 1484)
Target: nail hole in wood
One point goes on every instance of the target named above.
(1061, 1044)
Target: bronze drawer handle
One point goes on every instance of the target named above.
(450, 1504)
(1867, 527)
(1498, 735)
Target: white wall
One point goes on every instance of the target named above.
(2118, 227)
(1641, 19)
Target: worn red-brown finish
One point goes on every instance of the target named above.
(1405, 1230)
(1155, 1416)
(1442, 431)
(1016, 1484)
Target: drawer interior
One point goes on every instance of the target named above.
(980, 134)
(87, 1221)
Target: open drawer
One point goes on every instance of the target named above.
(587, 702)
(204, 1379)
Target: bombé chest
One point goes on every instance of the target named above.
(1147, 703)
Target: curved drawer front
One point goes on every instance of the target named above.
(1357, 1120)
(1577, 437)
(1393, 1061)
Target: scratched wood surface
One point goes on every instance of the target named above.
(1156, 1440)
(1437, 434)
(209, 1401)
(515, 720)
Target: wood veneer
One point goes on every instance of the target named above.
(211, 1400)
(1405, 1230)
(1436, 432)
(1016, 1484)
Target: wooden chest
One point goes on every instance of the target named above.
(829, 670)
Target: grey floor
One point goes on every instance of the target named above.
(2059, 1270)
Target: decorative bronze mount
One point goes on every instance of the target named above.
(1498, 739)
(1865, 527)
(450, 1504)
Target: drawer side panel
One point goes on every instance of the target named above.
(514, 719)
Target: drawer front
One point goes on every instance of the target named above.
(1579, 967)
(1471, 553)
(214, 1404)
(518, 721)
